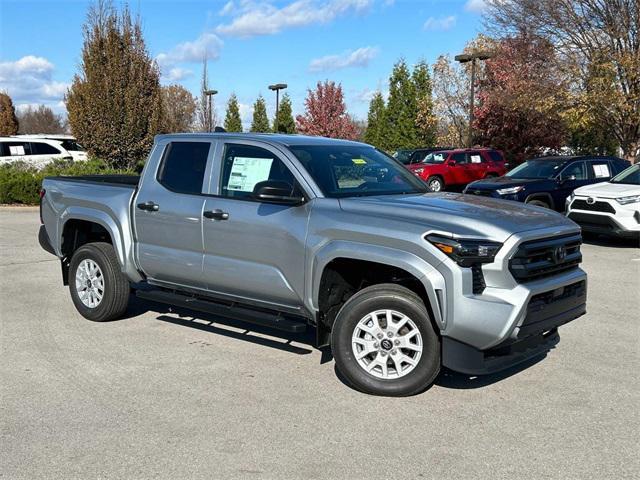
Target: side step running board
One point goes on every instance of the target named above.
(272, 320)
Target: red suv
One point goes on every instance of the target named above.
(458, 167)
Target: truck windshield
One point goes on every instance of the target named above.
(536, 169)
(355, 171)
(629, 176)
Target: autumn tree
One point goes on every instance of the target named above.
(599, 40)
(426, 122)
(8, 120)
(40, 119)
(115, 103)
(326, 113)
(206, 118)
(375, 130)
(285, 122)
(260, 122)
(178, 109)
(520, 99)
(402, 109)
(232, 120)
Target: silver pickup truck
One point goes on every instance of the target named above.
(297, 232)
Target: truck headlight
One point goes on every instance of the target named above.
(628, 200)
(510, 190)
(466, 252)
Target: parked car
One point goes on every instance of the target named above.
(301, 232)
(416, 155)
(68, 142)
(548, 181)
(611, 208)
(456, 168)
(34, 152)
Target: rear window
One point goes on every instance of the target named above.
(183, 166)
(495, 156)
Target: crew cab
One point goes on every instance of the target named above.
(609, 208)
(299, 232)
(548, 181)
(458, 167)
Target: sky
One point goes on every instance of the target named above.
(250, 44)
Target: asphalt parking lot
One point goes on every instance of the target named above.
(162, 394)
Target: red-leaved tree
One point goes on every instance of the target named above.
(326, 114)
(521, 99)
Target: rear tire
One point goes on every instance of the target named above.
(99, 289)
(538, 203)
(388, 361)
(435, 184)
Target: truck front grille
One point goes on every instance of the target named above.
(545, 257)
(594, 207)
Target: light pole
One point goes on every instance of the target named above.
(210, 93)
(277, 87)
(472, 57)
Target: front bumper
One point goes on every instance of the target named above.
(536, 334)
(606, 224)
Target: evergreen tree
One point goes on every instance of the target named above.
(260, 121)
(426, 121)
(232, 120)
(401, 112)
(375, 131)
(286, 123)
(115, 103)
(8, 120)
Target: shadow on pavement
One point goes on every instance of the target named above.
(605, 241)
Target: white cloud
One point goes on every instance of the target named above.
(477, 6)
(176, 74)
(228, 8)
(29, 80)
(441, 23)
(207, 44)
(263, 18)
(351, 58)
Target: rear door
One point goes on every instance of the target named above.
(477, 166)
(254, 250)
(168, 214)
(600, 170)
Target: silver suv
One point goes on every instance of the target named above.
(300, 232)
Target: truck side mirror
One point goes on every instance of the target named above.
(276, 191)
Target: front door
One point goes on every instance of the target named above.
(572, 176)
(168, 215)
(460, 172)
(254, 250)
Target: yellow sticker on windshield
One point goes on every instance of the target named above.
(359, 161)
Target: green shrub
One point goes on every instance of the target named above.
(20, 183)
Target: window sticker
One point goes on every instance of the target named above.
(246, 172)
(359, 161)
(475, 159)
(16, 150)
(601, 171)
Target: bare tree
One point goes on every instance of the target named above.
(178, 110)
(600, 39)
(41, 119)
(206, 119)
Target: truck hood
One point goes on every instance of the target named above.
(459, 214)
(608, 190)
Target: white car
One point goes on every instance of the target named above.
(35, 152)
(611, 208)
(68, 142)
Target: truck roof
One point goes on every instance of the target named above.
(275, 138)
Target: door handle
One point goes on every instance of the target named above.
(216, 214)
(149, 206)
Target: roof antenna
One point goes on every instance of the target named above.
(219, 130)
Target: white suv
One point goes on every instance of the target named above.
(611, 207)
(68, 142)
(34, 152)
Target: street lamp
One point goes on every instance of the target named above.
(277, 87)
(472, 57)
(210, 93)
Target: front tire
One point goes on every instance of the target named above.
(384, 343)
(435, 184)
(538, 203)
(99, 289)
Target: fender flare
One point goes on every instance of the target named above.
(541, 195)
(427, 274)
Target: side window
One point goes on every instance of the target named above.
(183, 166)
(4, 149)
(474, 157)
(244, 166)
(15, 149)
(459, 158)
(576, 169)
(600, 169)
(40, 148)
(495, 156)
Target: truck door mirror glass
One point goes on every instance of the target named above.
(275, 191)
